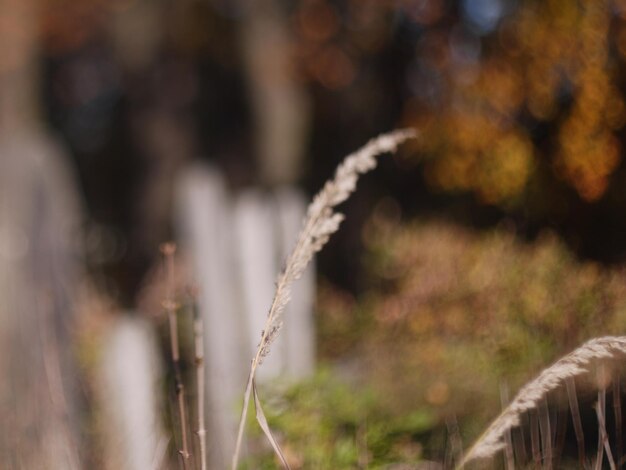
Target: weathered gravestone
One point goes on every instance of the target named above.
(38, 280)
(205, 227)
(129, 391)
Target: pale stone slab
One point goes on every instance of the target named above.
(39, 272)
(131, 376)
(205, 231)
(255, 228)
(299, 327)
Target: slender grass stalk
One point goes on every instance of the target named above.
(599, 407)
(571, 365)
(561, 430)
(604, 440)
(198, 330)
(617, 412)
(546, 434)
(320, 223)
(168, 250)
(519, 443)
(578, 426)
(535, 443)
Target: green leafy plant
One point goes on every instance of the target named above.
(329, 423)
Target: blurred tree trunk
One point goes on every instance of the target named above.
(281, 120)
(38, 270)
(279, 102)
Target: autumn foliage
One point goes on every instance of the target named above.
(549, 65)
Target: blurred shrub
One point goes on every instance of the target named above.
(451, 315)
(456, 313)
(327, 423)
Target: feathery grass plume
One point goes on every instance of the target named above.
(571, 365)
(320, 223)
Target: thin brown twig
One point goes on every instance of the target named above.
(198, 329)
(168, 250)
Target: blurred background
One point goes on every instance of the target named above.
(469, 260)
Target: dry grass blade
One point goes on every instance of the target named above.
(320, 223)
(617, 412)
(260, 417)
(519, 443)
(561, 431)
(545, 428)
(534, 439)
(599, 407)
(198, 330)
(578, 426)
(531, 394)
